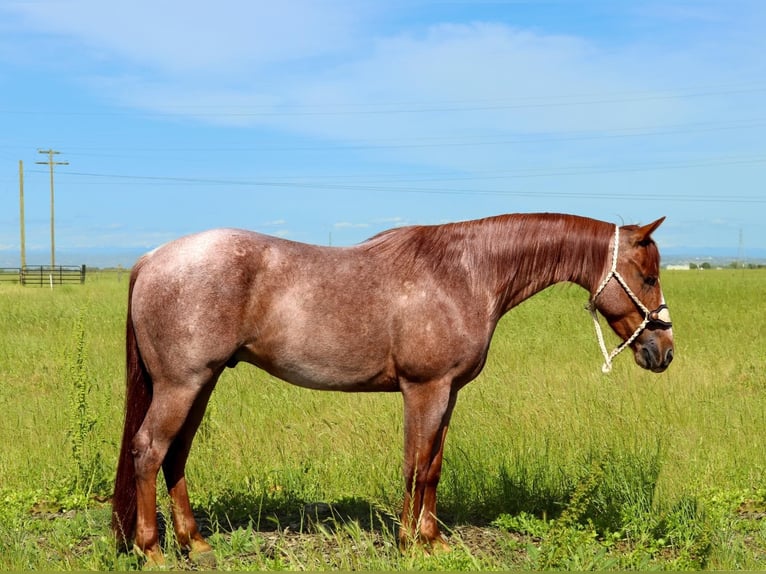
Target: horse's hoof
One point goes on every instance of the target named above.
(199, 546)
(439, 546)
(153, 558)
(201, 554)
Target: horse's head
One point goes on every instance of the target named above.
(631, 300)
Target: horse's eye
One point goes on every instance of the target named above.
(651, 280)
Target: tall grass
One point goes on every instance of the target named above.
(574, 468)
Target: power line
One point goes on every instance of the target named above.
(451, 141)
(407, 187)
(527, 172)
(386, 108)
(436, 142)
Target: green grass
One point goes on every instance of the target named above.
(549, 464)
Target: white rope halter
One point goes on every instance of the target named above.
(661, 315)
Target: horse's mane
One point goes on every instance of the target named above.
(551, 247)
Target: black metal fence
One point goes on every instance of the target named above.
(42, 275)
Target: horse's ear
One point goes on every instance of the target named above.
(644, 233)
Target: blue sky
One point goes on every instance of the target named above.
(330, 120)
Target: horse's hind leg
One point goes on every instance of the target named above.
(173, 467)
(164, 420)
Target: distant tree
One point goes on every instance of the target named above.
(705, 265)
(692, 266)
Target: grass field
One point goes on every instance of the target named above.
(549, 464)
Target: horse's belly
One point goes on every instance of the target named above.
(322, 377)
(315, 366)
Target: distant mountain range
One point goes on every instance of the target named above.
(116, 257)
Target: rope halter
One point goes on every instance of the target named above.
(660, 316)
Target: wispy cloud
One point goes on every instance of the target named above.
(391, 220)
(196, 37)
(232, 64)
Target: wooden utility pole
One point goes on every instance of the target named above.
(51, 163)
(21, 215)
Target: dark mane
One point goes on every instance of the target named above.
(423, 247)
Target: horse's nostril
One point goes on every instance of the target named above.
(649, 361)
(669, 357)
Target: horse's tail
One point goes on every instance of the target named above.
(138, 397)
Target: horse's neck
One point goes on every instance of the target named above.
(542, 257)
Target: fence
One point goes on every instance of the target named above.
(42, 275)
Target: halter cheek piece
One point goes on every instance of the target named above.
(659, 318)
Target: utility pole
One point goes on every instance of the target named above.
(21, 215)
(51, 163)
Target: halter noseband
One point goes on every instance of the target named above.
(660, 316)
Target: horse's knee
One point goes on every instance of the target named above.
(146, 457)
(140, 444)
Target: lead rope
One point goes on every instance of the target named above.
(609, 357)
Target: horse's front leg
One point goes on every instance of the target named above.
(427, 410)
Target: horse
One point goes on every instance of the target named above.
(411, 310)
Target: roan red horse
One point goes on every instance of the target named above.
(410, 310)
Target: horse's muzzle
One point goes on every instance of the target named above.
(653, 358)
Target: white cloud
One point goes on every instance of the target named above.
(258, 63)
(391, 220)
(320, 68)
(221, 38)
(279, 61)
